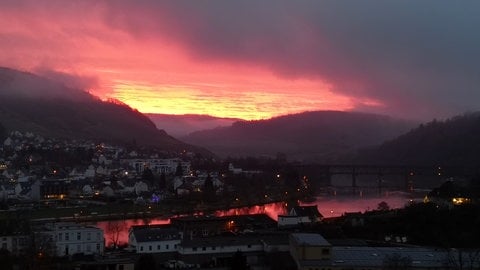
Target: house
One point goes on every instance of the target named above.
(300, 215)
(306, 248)
(206, 226)
(43, 189)
(65, 238)
(354, 219)
(221, 249)
(154, 238)
(16, 244)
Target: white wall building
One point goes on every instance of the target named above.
(220, 245)
(65, 239)
(154, 238)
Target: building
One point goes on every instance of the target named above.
(158, 166)
(154, 238)
(64, 239)
(309, 247)
(313, 252)
(300, 215)
(205, 226)
(220, 249)
(16, 244)
(50, 189)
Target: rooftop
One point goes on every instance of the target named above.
(310, 239)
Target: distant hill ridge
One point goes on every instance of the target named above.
(454, 142)
(31, 103)
(182, 125)
(319, 135)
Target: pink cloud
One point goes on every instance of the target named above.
(409, 59)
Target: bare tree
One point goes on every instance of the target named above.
(113, 230)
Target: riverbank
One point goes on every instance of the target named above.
(124, 211)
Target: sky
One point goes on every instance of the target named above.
(254, 59)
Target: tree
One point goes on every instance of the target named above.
(383, 206)
(208, 189)
(113, 230)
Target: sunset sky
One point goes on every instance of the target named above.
(254, 59)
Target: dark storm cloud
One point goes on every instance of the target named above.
(419, 58)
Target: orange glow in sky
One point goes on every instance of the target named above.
(154, 74)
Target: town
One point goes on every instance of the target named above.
(70, 204)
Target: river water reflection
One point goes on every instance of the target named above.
(117, 231)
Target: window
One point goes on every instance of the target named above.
(149, 247)
(204, 248)
(98, 247)
(79, 248)
(214, 248)
(141, 248)
(159, 247)
(249, 246)
(325, 251)
(60, 237)
(67, 236)
(89, 236)
(89, 248)
(79, 236)
(194, 249)
(166, 246)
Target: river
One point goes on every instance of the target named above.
(328, 207)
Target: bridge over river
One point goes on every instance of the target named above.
(401, 177)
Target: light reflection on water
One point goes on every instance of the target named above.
(327, 206)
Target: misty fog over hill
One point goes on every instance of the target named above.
(182, 125)
(316, 136)
(32, 103)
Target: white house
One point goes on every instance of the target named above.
(63, 239)
(154, 238)
(300, 215)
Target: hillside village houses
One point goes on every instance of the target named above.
(113, 171)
